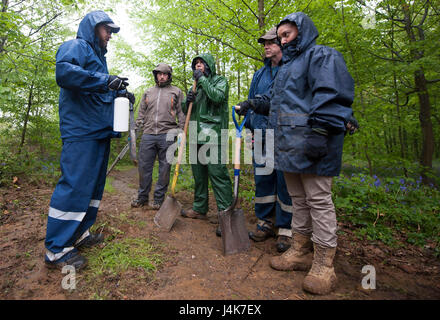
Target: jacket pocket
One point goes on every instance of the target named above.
(291, 131)
(99, 98)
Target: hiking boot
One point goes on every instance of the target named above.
(137, 203)
(262, 233)
(297, 257)
(91, 240)
(193, 214)
(283, 243)
(321, 278)
(155, 205)
(72, 258)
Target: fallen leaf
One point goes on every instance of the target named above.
(14, 180)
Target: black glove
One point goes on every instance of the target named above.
(117, 83)
(198, 74)
(191, 97)
(352, 125)
(244, 107)
(316, 143)
(130, 96)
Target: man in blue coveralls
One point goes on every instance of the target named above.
(86, 106)
(271, 196)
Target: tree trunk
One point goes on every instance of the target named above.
(426, 125)
(3, 39)
(261, 15)
(185, 84)
(238, 85)
(423, 95)
(26, 118)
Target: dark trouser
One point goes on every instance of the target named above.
(271, 197)
(77, 196)
(151, 146)
(220, 182)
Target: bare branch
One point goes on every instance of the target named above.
(255, 15)
(46, 23)
(384, 58)
(271, 8)
(29, 56)
(200, 33)
(432, 81)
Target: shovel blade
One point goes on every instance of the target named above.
(235, 235)
(167, 214)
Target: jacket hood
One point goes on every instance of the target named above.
(164, 68)
(86, 29)
(307, 32)
(209, 60)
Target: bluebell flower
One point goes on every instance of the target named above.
(377, 183)
(402, 188)
(391, 182)
(402, 181)
(387, 189)
(362, 179)
(374, 177)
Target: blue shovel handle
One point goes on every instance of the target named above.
(238, 126)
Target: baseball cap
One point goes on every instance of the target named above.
(270, 35)
(114, 28)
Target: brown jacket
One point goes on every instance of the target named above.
(159, 109)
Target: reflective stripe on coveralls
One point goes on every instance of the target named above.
(76, 199)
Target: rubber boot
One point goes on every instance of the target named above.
(297, 257)
(321, 278)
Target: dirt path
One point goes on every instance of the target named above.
(194, 267)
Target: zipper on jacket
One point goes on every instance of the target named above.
(157, 106)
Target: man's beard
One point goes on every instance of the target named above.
(103, 44)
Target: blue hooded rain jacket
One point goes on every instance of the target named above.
(312, 88)
(86, 125)
(85, 103)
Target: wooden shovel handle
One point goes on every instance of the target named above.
(237, 153)
(182, 142)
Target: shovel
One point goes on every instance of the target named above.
(170, 208)
(232, 223)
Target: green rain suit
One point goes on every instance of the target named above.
(210, 115)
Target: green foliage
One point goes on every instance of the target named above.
(121, 255)
(387, 209)
(28, 165)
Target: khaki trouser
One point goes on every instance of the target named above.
(313, 210)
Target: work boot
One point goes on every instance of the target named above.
(72, 258)
(91, 240)
(193, 214)
(321, 279)
(155, 205)
(297, 257)
(137, 203)
(283, 243)
(262, 232)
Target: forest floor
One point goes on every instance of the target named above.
(187, 261)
